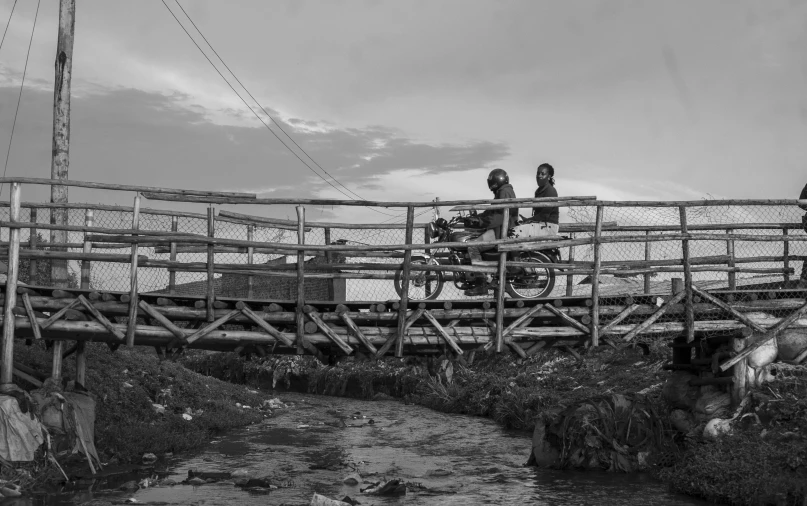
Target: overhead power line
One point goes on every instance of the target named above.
(262, 108)
(7, 24)
(22, 84)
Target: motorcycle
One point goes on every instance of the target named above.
(521, 283)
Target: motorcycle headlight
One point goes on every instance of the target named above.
(432, 230)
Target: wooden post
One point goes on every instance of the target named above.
(730, 253)
(502, 283)
(250, 261)
(689, 308)
(738, 373)
(32, 242)
(11, 289)
(60, 152)
(569, 277)
(130, 329)
(211, 260)
(81, 346)
(786, 254)
(427, 240)
(681, 355)
(595, 281)
(300, 317)
(407, 260)
(172, 256)
(329, 259)
(647, 251)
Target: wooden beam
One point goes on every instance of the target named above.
(655, 316)
(101, 318)
(441, 331)
(357, 332)
(404, 302)
(314, 316)
(29, 310)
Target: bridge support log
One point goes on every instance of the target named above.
(410, 223)
(7, 349)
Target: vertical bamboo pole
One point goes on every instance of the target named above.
(730, 253)
(595, 280)
(130, 329)
(738, 373)
(329, 259)
(81, 346)
(786, 252)
(300, 319)
(569, 277)
(680, 355)
(502, 283)
(32, 242)
(647, 253)
(211, 259)
(688, 303)
(407, 260)
(11, 289)
(250, 261)
(427, 240)
(172, 255)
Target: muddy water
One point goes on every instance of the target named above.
(311, 446)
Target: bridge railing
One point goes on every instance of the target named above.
(623, 240)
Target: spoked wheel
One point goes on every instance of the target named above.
(534, 282)
(423, 285)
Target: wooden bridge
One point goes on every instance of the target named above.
(632, 270)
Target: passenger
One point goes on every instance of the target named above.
(491, 220)
(546, 218)
(803, 196)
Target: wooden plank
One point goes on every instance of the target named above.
(767, 336)
(314, 316)
(722, 305)
(212, 326)
(522, 320)
(260, 322)
(398, 334)
(58, 314)
(502, 283)
(357, 332)
(407, 267)
(101, 318)
(689, 313)
(29, 310)
(655, 316)
(618, 318)
(133, 292)
(595, 280)
(165, 322)
(440, 330)
(568, 319)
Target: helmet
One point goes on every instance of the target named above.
(497, 178)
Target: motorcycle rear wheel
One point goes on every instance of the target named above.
(423, 285)
(538, 282)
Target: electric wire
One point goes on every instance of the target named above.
(19, 98)
(7, 24)
(260, 106)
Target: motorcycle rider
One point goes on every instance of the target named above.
(491, 220)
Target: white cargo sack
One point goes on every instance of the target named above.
(20, 434)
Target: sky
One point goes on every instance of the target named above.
(415, 100)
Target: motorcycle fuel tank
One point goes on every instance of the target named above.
(463, 236)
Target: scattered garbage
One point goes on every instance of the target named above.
(158, 408)
(187, 416)
(321, 500)
(9, 490)
(273, 404)
(149, 458)
(394, 487)
(352, 479)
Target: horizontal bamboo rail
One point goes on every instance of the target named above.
(110, 208)
(501, 204)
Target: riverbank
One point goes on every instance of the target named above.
(762, 461)
(126, 385)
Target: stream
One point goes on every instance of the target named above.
(313, 444)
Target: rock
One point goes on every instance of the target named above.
(321, 500)
(791, 343)
(710, 403)
(158, 408)
(438, 472)
(208, 475)
(254, 482)
(352, 479)
(678, 392)
(240, 473)
(381, 396)
(241, 482)
(756, 377)
(129, 486)
(763, 355)
(390, 488)
(681, 421)
(543, 453)
(10, 490)
(717, 427)
(149, 458)
(168, 482)
(187, 417)
(195, 481)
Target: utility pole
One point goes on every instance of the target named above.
(61, 149)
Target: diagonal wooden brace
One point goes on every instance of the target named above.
(101, 318)
(440, 330)
(213, 326)
(655, 316)
(725, 307)
(314, 316)
(618, 319)
(179, 334)
(58, 314)
(357, 332)
(522, 320)
(260, 322)
(29, 310)
(767, 336)
(567, 319)
(408, 323)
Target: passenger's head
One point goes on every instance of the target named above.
(545, 174)
(497, 178)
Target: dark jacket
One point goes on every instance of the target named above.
(493, 218)
(547, 214)
(803, 196)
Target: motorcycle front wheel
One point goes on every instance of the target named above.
(423, 285)
(534, 282)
